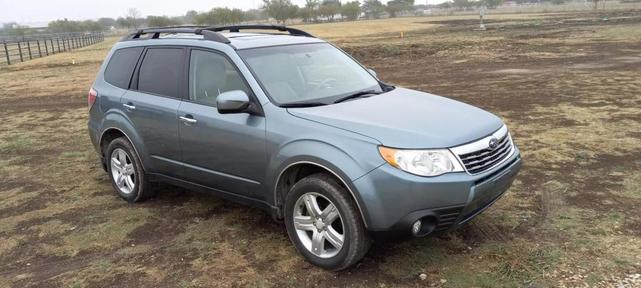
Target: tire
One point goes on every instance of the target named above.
(132, 188)
(327, 191)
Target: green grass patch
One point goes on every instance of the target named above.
(15, 143)
(73, 154)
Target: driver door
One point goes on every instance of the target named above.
(222, 151)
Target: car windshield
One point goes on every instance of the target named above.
(309, 73)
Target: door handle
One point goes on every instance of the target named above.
(188, 119)
(129, 106)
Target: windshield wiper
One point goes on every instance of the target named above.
(302, 104)
(357, 95)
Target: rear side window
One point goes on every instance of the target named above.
(121, 66)
(161, 71)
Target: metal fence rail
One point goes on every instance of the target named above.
(14, 50)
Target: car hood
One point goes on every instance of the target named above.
(404, 118)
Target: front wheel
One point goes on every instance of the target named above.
(324, 223)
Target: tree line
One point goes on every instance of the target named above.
(333, 10)
(279, 10)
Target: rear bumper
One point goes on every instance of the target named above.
(93, 135)
(394, 200)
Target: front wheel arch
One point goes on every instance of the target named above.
(296, 171)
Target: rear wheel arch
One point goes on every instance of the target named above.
(112, 133)
(294, 172)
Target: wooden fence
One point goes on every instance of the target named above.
(22, 49)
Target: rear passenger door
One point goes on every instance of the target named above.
(152, 104)
(222, 151)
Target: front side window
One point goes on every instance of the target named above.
(160, 72)
(308, 73)
(121, 66)
(211, 74)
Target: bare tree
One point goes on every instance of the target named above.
(133, 14)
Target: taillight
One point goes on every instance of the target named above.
(91, 97)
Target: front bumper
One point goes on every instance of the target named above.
(393, 200)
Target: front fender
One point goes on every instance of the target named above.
(345, 165)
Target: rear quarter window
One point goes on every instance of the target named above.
(121, 66)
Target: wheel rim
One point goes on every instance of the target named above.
(319, 225)
(122, 171)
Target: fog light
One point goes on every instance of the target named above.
(416, 227)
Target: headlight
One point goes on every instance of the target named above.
(421, 162)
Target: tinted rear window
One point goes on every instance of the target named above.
(121, 66)
(161, 71)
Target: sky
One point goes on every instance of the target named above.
(39, 12)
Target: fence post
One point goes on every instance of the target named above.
(46, 48)
(39, 50)
(29, 48)
(53, 49)
(6, 52)
(58, 42)
(20, 52)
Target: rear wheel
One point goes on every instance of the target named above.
(324, 224)
(125, 171)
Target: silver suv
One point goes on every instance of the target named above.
(292, 124)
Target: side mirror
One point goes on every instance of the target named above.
(373, 73)
(235, 101)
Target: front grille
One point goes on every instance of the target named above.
(481, 160)
(485, 158)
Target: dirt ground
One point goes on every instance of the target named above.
(567, 84)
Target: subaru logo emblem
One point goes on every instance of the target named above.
(494, 143)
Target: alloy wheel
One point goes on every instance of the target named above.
(318, 225)
(122, 171)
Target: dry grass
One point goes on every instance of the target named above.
(569, 94)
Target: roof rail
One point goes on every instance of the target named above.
(210, 33)
(155, 32)
(237, 28)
